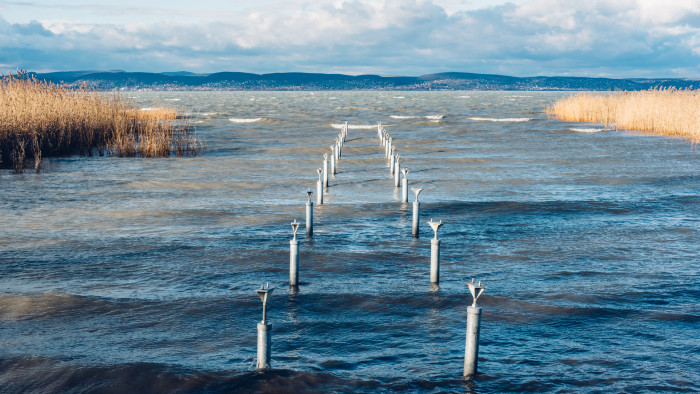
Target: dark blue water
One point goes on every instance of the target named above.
(139, 275)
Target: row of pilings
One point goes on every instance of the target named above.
(393, 161)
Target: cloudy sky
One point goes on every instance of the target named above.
(611, 38)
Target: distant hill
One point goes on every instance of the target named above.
(184, 80)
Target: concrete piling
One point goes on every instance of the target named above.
(404, 185)
(309, 214)
(471, 348)
(435, 253)
(264, 332)
(319, 187)
(294, 257)
(391, 162)
(416, 207)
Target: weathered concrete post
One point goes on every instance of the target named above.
(416, 207)
(294, 256)
(309, 214)
(397, 172)
(325, 170)
(471, 349)
(379, 130)
(435, 253)
(388, 147)
(337, 149)
(319, 187)
(392, 162)
(264, 335)
(333, 156)
(404, 185)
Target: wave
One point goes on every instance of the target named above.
(481, 119)
(430, 117)
(586, 129)
(174, 99)
(399, 97)
(354, 126)
(245, 120)
(403, 116)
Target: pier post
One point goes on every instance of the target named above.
(337, 149)
(416, 207)
(319, 187)
(264, 334)
(471, 349)
(391, 162)
(397, 173)
(309, 214)
(325, 170)
(333, 157)
(379, 130)
(435, 253)
(294, 257)
(404, 185)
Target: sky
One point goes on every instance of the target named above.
(606, 38)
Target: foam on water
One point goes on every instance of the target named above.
(354, 126)
(486, 119)
(245, 120)
(586, 129)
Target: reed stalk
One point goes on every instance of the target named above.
(42, 119)
(669, 111)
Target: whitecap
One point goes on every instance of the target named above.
(435, 117)
(402, 116)
(399, 97)
(354, 126)
(245, 120)
(586, 129)
(175, 99)
(481, 119)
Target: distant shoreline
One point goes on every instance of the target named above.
(237, 81)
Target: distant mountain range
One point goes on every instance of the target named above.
(183, 80)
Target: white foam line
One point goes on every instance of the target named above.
(480, 119)
(244, 120)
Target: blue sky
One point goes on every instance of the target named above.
(609, 38)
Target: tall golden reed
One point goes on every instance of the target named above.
(660, 111)
(40, 119)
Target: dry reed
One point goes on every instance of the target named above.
(660, 111)
(42, 119)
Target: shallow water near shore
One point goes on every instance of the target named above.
(131, 274)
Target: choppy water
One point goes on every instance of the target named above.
(127, 274)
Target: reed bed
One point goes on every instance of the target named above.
(40, 119)
(660, 111)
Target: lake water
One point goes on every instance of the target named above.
(129, 274)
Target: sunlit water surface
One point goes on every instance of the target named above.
(129, 274)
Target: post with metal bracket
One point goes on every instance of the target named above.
(294, 257)
(471, 350)
(309, 214)
(416, 213)
(325, 170)
(264, 335)
(435, 253)
(404, 185)
(319, 187)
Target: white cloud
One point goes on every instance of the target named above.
(617, 38)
